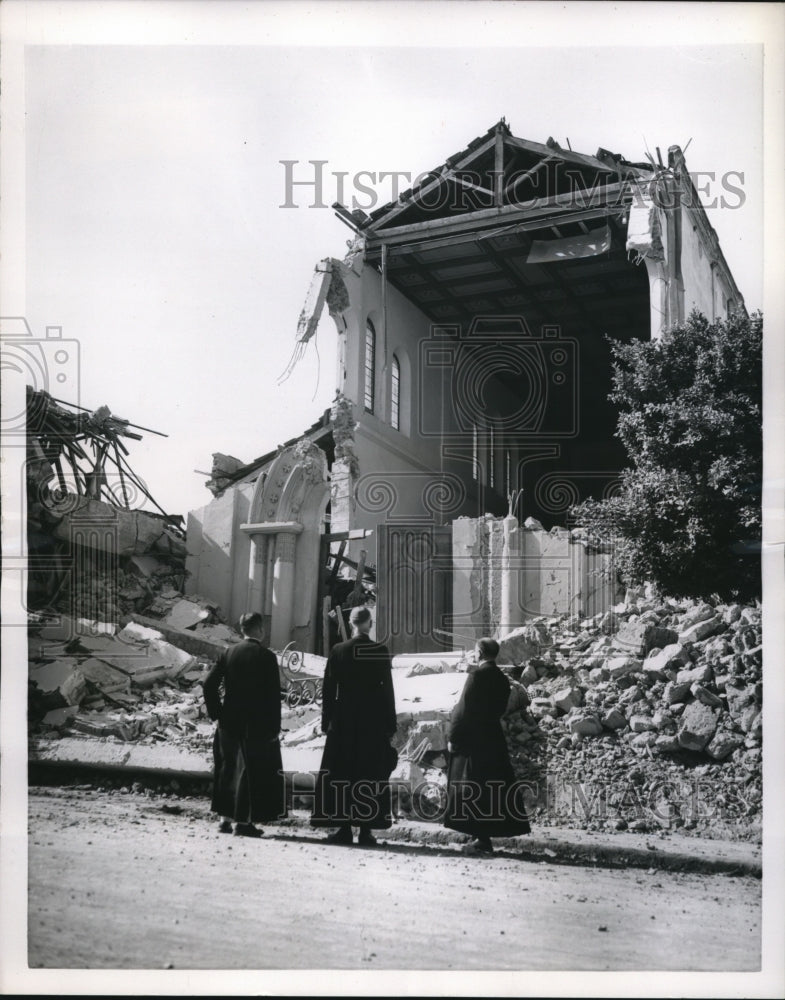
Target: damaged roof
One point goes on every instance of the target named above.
(511, 227)
(320, 432)
(472, 171)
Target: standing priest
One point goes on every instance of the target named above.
(358, 716)
(248, 783)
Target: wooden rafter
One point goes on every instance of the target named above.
(498, 168)
(400, 206)
(568, 155)
(439, 286)
(528, 175)
(573, 204)
(465, 182)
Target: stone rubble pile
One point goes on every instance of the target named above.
(135, 684)
(651, 694)
(645, 717)
(100, 680)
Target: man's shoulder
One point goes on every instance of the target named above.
(250, 648)
(372, 650)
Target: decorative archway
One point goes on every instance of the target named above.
(284, 525)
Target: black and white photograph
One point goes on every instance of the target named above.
(393, 498)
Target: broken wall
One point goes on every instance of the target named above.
(706, 287)
(548, 573)
(219, 552)
(400, 475)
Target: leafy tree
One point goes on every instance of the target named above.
(687, 515)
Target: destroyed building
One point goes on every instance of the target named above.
(473, 315)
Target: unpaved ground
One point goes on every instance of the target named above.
(117, 882)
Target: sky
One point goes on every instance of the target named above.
(155, 234)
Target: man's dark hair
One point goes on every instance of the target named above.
(488, 648)
(250, 621)
(359, 615)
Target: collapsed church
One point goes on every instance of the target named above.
(473, 317)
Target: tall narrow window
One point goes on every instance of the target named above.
(491, 458)
(507, 476)
(370, 366)
(475, 455)
(395, 395)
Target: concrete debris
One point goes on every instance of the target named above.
(669, 656)
(702, 629)
(614, 719)
(104, 676)
(639, 638)
(522, 644)
(642, 724)
(705, 696)
(60, 717)
(723, 744)
(585, 724)
(620, 666)
(217, 633)
(424, 667)
(698, 725)
(153, 657)
(186, 614)
(200, 641)
(62, 676)
(702, 674)
(581, 710)
(568, 698)
(682, 703)
(519, 698)
(433, 730)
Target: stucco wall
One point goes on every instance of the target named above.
(403, 475)
(557, 574)
(218, 552)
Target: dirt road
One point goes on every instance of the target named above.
(118, 882)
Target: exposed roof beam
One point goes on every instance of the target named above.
(498, 168)
(400, 206)
(580, 159)
(399, 249)
(430, 281)
(609, 198)
(529, 173)
(469, 184)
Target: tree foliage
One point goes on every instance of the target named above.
(688, 514)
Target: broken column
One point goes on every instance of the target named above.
(510, 576)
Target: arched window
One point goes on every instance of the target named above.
(395, 394)
(491, 458)
(370, 366)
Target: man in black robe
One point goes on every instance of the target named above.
(248, 781)
(482, 799)
(358, 716)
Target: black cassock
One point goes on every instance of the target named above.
(358, 715)
(482, 798)
(248, 782)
